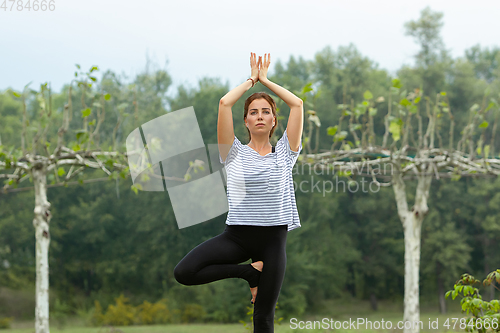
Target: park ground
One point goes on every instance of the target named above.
(388, 311)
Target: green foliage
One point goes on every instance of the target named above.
(121, 314)
(396, 83)
(332, 130)
(124, 314)
(86, 112)
(149, 313)
(97, 317)
(395, 128)
(5, 322)
(60, 313)
(340, 136)
(249, 326)
(192, 313)
(367, 95)
(484, 124)
(484, 316)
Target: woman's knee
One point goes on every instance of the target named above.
(182, 274)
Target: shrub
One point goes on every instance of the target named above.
(5, 322)
(249, 326)
(60, 313)
(121, 314)
(97, 318)
(192, 313)
(124, 314)
(157, 313)
(485, 316)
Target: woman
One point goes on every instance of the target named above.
(261, 197)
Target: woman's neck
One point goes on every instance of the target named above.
(259, 142)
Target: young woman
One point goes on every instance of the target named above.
(261, 197)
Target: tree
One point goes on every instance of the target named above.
(433, 59)
(426, 31)
(408, 158)
(35, 159)
(486, 63)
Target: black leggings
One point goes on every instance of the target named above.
(218, 258)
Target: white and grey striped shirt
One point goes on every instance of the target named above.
(260, 189)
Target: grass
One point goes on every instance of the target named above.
(184, 328)
(285, 327)
(338, 310)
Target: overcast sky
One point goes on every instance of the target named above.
(193, 39)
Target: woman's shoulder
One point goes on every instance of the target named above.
(283, 149)
(233, 151)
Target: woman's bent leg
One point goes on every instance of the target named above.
(213, 260)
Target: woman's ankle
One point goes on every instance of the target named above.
(258, 265)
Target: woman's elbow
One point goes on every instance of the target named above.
(297, 103)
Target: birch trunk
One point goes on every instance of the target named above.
(41, 223)
(441, 290)
(412, 225)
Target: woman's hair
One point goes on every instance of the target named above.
(270, 100)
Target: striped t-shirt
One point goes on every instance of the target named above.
(260, 189)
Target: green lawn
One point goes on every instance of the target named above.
(285, 327)
(338, 310)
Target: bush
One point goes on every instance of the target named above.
(485, 316)
(5, 322)
(121, 314)
(193, 313)
(249, 326)
(97, 318)
(157, 313)
(124, 314)
(60, 313)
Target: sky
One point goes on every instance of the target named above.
(192, 39)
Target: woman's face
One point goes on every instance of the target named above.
(260, 112)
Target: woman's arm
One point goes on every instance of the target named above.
(289, 98)
(296, 118)
(225, 128)
(234, 95)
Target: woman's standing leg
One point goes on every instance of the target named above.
(271, 278)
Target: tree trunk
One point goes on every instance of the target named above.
(412, 225)
(441, 291)
(41, 223)
(373, 301)
(490, 291)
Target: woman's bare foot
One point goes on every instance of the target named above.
(258, 265)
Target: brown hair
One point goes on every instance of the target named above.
(270, 100)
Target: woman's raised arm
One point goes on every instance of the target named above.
(296, 117)
(225, 128)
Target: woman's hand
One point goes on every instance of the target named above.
(264, 66)
(255, 67)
